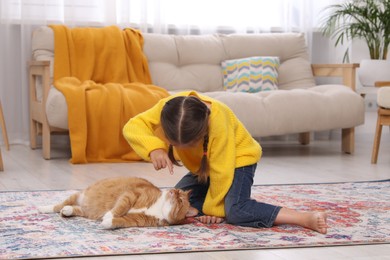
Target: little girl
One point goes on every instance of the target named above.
(221, 156)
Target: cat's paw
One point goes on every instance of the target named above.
(46, 209)
(67, 211)
(107, 220)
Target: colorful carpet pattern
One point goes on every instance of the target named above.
(358, 214)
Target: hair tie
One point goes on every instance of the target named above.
(205, 153)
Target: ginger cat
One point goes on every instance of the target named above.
(126, 202)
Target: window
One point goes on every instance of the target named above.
(163, 15)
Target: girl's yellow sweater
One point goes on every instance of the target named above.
(230, 146)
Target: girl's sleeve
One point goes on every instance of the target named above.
(140, 131)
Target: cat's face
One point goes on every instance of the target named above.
(180, 205)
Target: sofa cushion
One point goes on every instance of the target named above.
(185, 62)
(57, 109)
(282, 112)
(252, 74)
(277, 112)
(193, 62)
(383, 97)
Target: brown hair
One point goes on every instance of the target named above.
(184, 120)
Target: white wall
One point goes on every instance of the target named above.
(324, 51)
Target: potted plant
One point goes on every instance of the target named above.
(368, 20)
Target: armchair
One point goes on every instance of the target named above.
(383, 100)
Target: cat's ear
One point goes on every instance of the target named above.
(192, 212)
(188, 192)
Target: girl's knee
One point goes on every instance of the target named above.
(232, 215)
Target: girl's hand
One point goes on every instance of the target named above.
(210, 219)
(161, 160)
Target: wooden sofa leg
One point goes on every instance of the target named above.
(1, 163)
(304, 138)
(377, 140)
(46, 141)
(4, 128)
(348, 140)
(33, 134)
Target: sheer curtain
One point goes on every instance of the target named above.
(18, 18)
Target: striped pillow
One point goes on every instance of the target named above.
(253, 74)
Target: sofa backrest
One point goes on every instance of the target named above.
(178, 62)
(194, 62)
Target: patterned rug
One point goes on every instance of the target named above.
(358, 214)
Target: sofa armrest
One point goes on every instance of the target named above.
(380, 84)
(38, 120)
(39, 69)
(346, 71)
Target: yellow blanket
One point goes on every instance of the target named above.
(104, 77)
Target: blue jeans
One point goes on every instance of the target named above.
(240, 209)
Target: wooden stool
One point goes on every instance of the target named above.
(383, 100)
(5, 136)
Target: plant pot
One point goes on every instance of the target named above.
(371, 71)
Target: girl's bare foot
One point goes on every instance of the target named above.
(210, 219)
(311, 219)
(317, 222)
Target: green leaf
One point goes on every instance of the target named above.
(368, 20)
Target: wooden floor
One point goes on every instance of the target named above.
(282, 162)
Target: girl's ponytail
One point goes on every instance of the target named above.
(171, 156)
(203, 169)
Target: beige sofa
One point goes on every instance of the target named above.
(194, 62)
